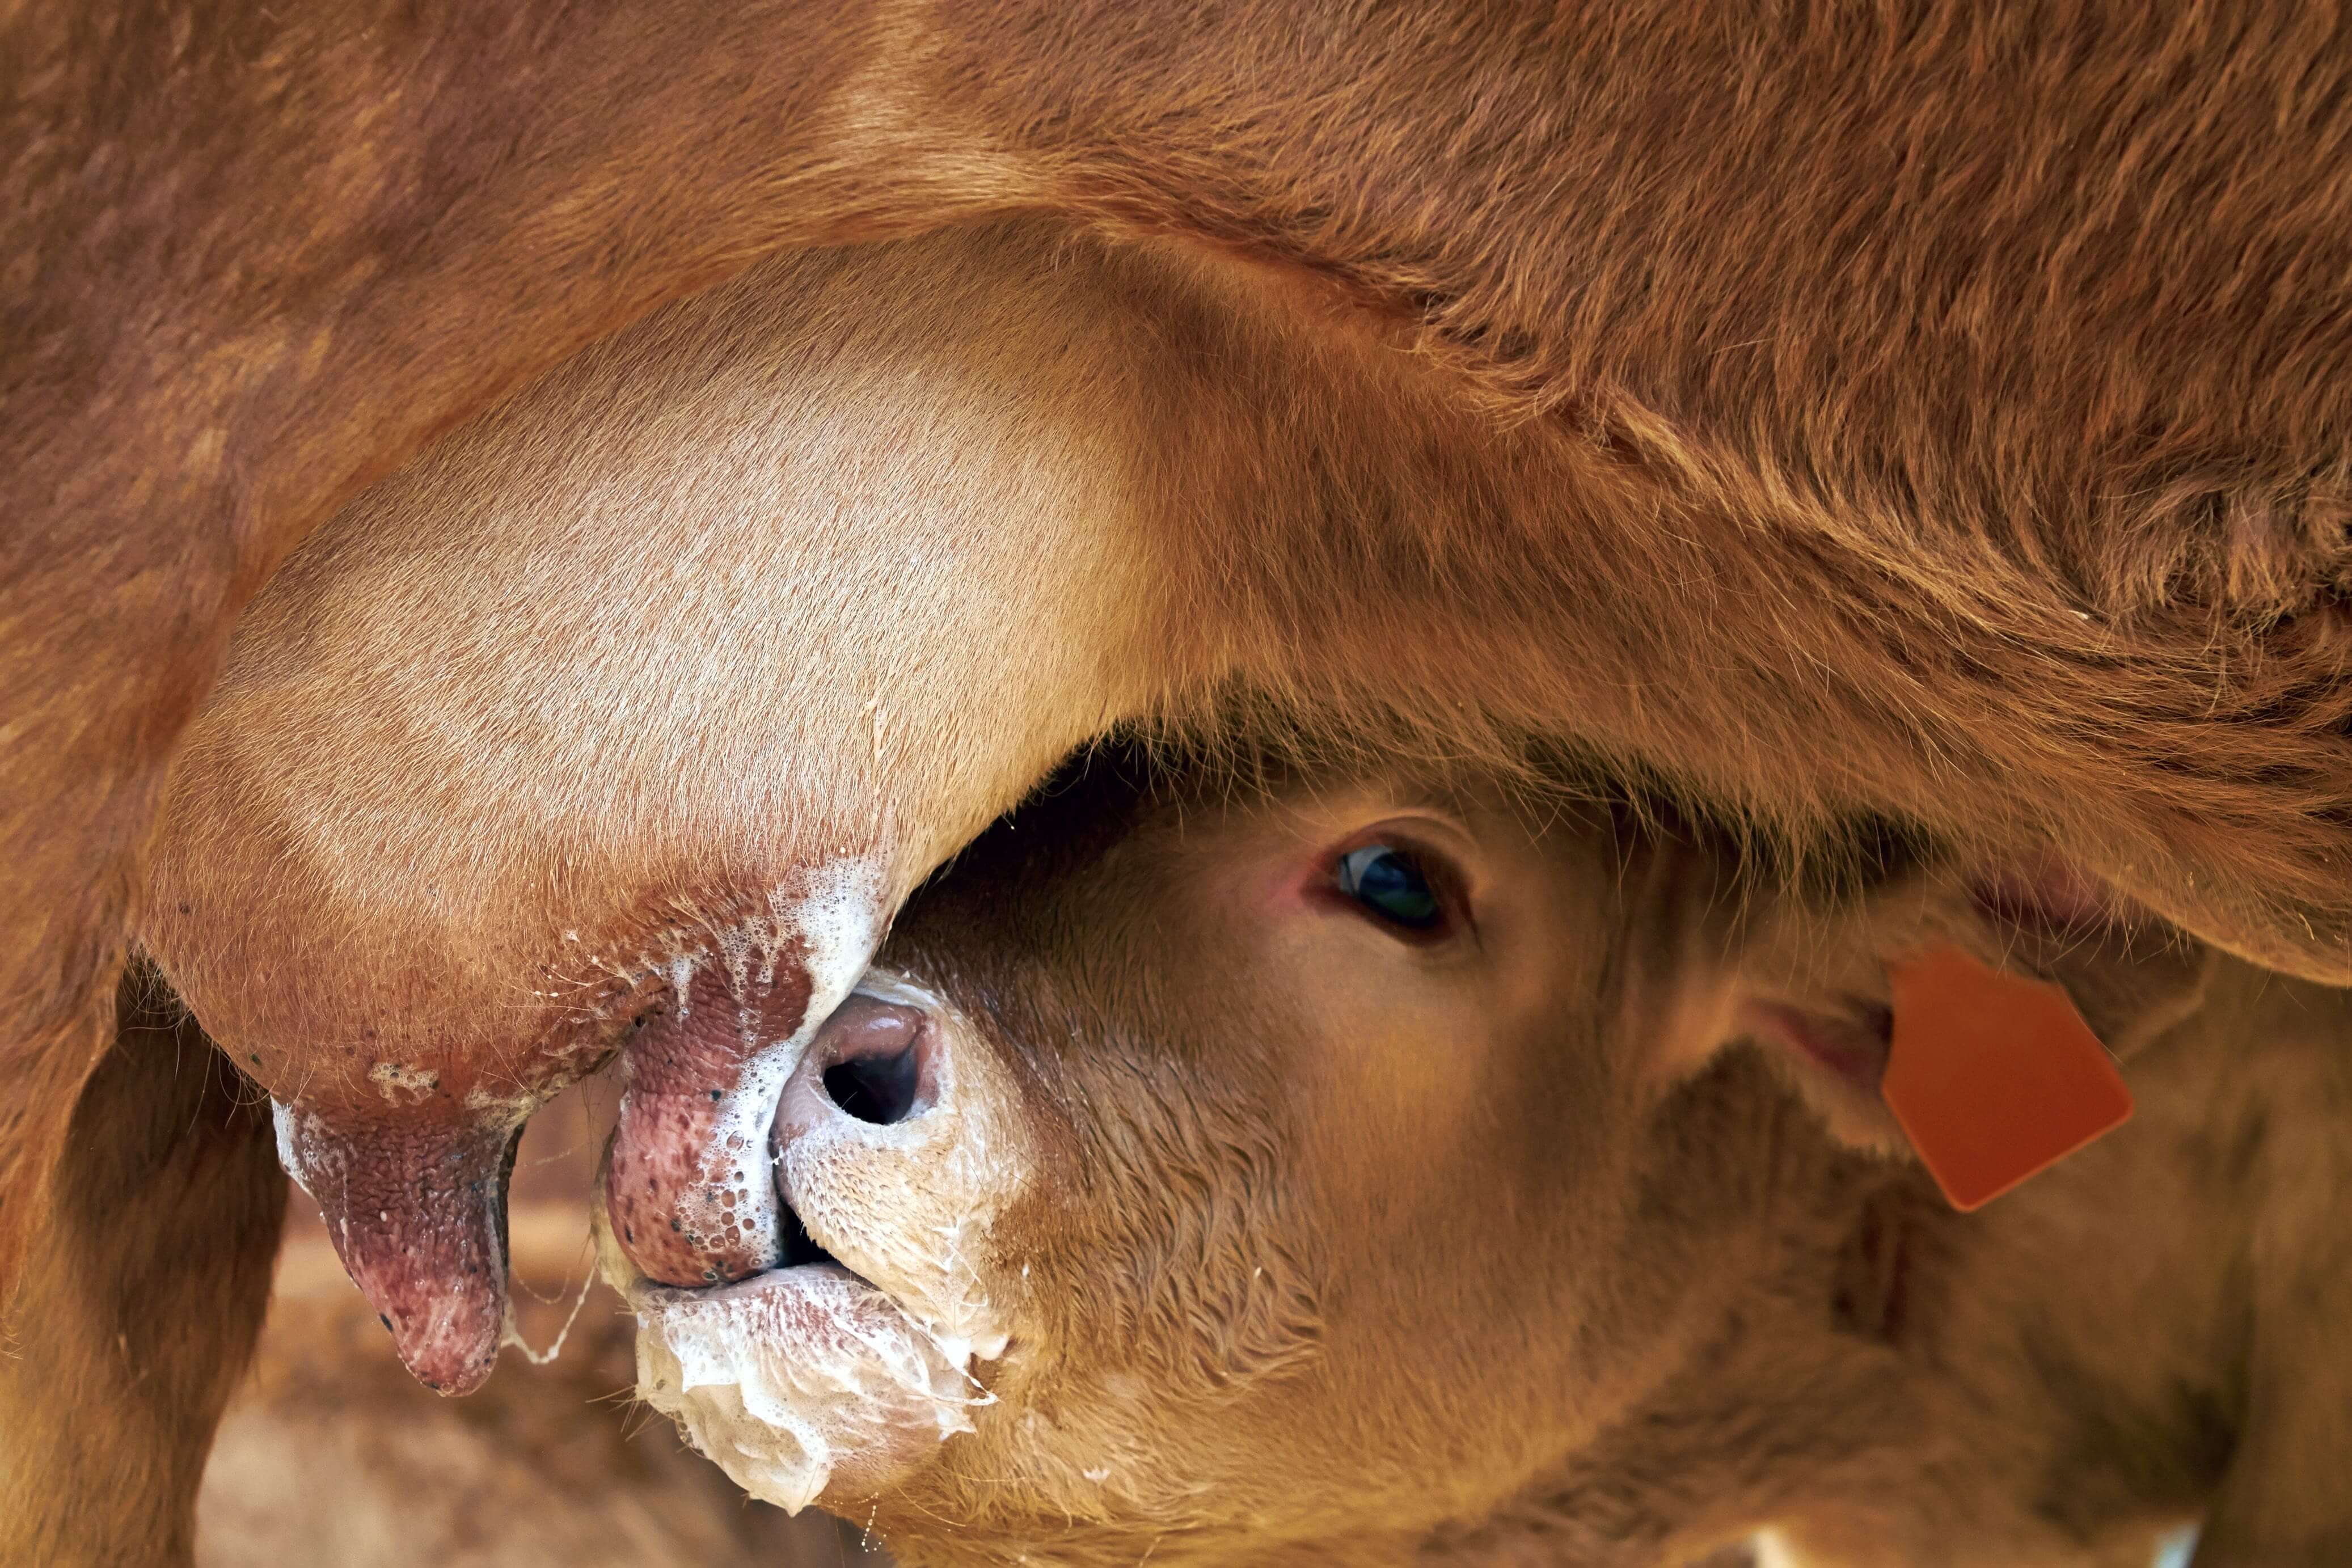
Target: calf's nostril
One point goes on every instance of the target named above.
(872, 1059)
(877, 1088)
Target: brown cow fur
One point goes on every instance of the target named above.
(143, 1303)
(540, 718)
(2017, 334)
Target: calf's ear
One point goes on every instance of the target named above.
(1712, 961)
(1939, 1021)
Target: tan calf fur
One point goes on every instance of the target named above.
(1310, 1277)
(1323, 1240)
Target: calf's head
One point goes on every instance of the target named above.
(1304, 1168)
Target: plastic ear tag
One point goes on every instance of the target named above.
(1994, 1077)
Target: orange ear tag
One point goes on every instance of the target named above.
(1995, 1078)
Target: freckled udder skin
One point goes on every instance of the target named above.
(684, 1067)
(416, 1210)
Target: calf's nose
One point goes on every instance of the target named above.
(898, 1138)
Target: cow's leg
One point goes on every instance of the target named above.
(141, 1303)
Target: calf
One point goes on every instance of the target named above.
(1388, 1167)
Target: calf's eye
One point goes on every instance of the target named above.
(1389, 884)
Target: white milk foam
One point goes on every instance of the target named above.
(791, 1378)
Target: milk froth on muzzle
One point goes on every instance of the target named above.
(894, 1143)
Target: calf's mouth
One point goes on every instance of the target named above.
(894, 1142)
